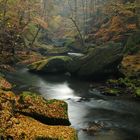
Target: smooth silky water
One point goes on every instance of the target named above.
(120, 117)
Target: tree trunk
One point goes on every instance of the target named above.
(34, 39)
(79, 32)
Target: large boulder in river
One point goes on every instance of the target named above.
(56, 64)
(98, 62)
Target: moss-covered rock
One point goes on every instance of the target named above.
(112, 91)
(98, 62)
(48, 111)
(137, 91)
(122, 86)
(54, 64)
(121, 82)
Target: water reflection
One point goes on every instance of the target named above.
(58, 91)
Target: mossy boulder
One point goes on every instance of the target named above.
(137, 91)
(48, 111)
(100, 61)
(112, 91)
(122, 86)
(56, 64)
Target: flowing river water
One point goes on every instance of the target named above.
(120, 117)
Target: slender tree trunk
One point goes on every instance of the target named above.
(84, 23)
(34, 39)
(76, 7)
(79, 32)
(86, 16)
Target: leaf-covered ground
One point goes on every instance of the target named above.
(14, 124)
(28, 128)
(38, 107)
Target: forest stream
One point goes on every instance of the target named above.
(118, 116)
(69, 69)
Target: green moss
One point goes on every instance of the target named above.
(127, 83)
(51, 101)
(123, 85)
(112, 91)
(121, 82)
(137, 91)
(64, 58)
(38, 65)
(112, 81)
(28, 93)
(65, 107)
(43, 65)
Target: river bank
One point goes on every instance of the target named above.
(92, 114)
(29, 116)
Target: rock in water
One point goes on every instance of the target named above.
(56, 64)
(98, 62)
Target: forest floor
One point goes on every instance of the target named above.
(18, 121)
